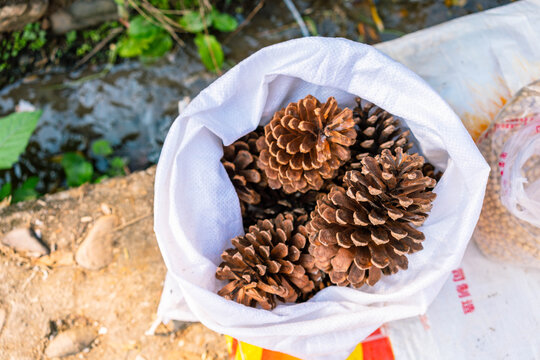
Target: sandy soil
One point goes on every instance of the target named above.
(42, 296)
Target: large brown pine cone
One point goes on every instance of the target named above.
(305, 143)
(240, 162)
(364, 230)
(270, 262)
(377, 130)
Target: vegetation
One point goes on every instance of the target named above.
(151, 32)
(80, 170)
(15, 132)
(31, 37)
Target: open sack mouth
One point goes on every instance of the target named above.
(198, 209)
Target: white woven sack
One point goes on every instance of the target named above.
(197, 211)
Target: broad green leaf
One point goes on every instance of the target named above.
(15, 131)
(5, 190)
(210, 51)
(129, 47)
(27, 191)
(102, 148)
(78, 170)
(192, 21)
(141, 28)
(159, 46)
(223, 22)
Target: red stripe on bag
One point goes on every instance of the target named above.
(377, 346)
(233, 349)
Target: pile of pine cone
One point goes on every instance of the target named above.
(329, 196)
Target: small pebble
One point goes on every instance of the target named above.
(96, 250)
(106, 209)
(22, 239)
(70, 342)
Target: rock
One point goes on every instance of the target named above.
(16, 14)
(70, 342)
(96, 249)
(2, 319)
(82, 14)
(23, 239)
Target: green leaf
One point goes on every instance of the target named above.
(193, 22)
(5, 190)
(129, 47)
(30, 183)
(160, 45)
(78, 170)
(210, 51)
(141, 28)
(15, 131)
(102, 148)
(223, 22)
(312, 27)
(117, 165)
(71, 37)
(27, 191)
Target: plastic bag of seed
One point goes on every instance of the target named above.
(197, 210)
(509, 226)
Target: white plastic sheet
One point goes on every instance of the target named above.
(197, 211)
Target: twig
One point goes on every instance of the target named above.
(160, 16)
(133, 221)
(246, 21)
(297, 17)
(100, 45)
(162, 20)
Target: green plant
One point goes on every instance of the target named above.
(102, 148)
(71, 36)
(78, 170)
(208, 46)
(27, 191)
(5, 191)
(151, 33)
(144, 39)
(210, 51)
(31, 36)
(15, 131)
(117, 166)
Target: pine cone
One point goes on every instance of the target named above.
(305, 143)
(240, 162)
(274, 202)
(270, 262)
(429, 170)
(377, 130)
(364, 230)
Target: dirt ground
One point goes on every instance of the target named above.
(43, 296)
